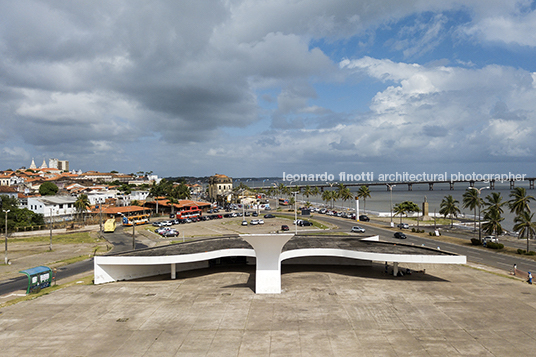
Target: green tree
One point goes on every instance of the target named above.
(125, 188)
(181, 192)
(315, 191)
(343, 193)
(449, 207)
(494, 202)
(519, 202)
(403, 208)
(307, 191)
(327, 196)
(364, 193)
(82, 204)
(525, 226)
(471, 199)
(48, 189)
(493, 220)
(399, 210)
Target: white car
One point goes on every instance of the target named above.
(492, 239)
(357, 229)
(261, 221)
(254, 222)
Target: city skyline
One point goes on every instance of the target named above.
(252, 89)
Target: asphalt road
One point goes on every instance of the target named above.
(476, 255)
(123, 242)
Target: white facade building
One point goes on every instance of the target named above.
(57, 207)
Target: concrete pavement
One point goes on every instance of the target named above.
(323, 311)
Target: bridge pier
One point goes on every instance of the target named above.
(512, 184)
(451, 184)
(492, 185)
(430, 186)
(410, 187)
(471, 183)
(531, 184)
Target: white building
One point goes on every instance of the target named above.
(99, 197)
(57, 207)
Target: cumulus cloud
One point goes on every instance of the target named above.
(130, 82)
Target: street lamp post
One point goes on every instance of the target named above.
(295, 213)
(5, 250)
(479, 190)
(391, 199)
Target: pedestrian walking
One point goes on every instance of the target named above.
(530, 278)
(515, 269)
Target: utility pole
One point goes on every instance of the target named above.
(50, 245)
(5, 251)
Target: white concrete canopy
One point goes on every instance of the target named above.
(268, 251)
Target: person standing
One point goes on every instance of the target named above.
(530, 278)
(515, 269)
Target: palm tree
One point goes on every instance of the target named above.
(399, 209)
(449, 207)
(494, 202)
(281, 188)
(364, 193)
(345, 194)
(315, 191)
(82, 203)
(525, 226)
(307, 191)
(471, 200)
(493, 221)
(327, 196)
(520, 201)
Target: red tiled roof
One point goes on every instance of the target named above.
(126, 209)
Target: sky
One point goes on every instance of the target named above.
(261, 88)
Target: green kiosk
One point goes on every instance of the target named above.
(38, 278)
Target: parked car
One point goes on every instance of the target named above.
(400, 235)
(244, 223)
(357, 229)
(364, 218)
(492, 239)
(254, 222)
(284, 227)
(304, 223)
(170, 233)
(403, 226)
(269, 215)
(261, 221)
(255, 214)
(157, 224)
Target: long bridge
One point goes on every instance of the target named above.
(389, 185)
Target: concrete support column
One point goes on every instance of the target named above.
(267, 253)
(173, 271)
(395, 268)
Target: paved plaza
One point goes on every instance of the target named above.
(322, 311)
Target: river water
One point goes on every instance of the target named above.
(380, 200)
